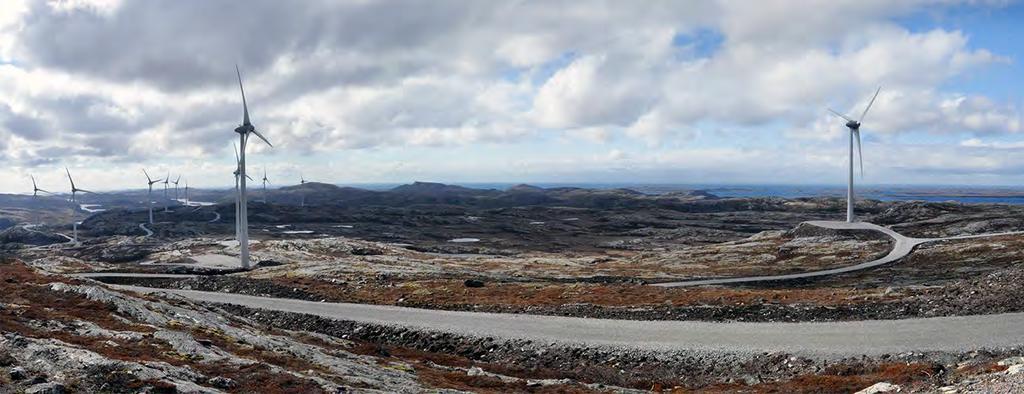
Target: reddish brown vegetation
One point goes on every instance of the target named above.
(844, 379)
(442, 378)
(443, 292)
(29, 300)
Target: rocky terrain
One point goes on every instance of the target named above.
(67, 335)
(568, 252)
(62, 335)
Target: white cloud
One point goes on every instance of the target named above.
(110, 81)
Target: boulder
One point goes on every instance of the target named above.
(17, 373)
(880, 387)
(46, 388)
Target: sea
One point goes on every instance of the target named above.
(934, 193)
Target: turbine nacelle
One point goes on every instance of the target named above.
(853, 125)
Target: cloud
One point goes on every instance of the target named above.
(592, 91)
(105, 81)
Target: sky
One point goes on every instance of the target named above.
(365, 91)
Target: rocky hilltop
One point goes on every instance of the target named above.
(430, 193)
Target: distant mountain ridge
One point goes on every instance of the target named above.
(416, 193)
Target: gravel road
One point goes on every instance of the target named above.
(902, 246)
(840, 339)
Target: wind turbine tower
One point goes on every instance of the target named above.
(149, 196)
(35, 194)
(238, 205)
(265, 181)
(244, 130)
(166, 182)
(854, 126)
(176, 187)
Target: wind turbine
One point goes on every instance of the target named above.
(265, 181)
(187, 203)
(302, 193)
(166, 182)
(35, 188)
(854, 126)
(149, 196)
(176, 187)
(74, 190)
(35, 193)
(244, 130)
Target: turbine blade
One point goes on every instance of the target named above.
(869, 105)
(177, 180)
(262, 137)
(70, 178)
(839, 114)
(250, 178)
(860, 154)
(237, 160)
(148, 179)
(245, 107)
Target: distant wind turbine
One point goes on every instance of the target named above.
(302, 193)
(35, 194)
(74, 190)
(244, 130)
(265, 181)
(166, 182)
(35, 188)
(149, 196)
(176, 187)
(854, 126)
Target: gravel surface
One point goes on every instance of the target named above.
(624, 367)
(992, 293)
(832, 339)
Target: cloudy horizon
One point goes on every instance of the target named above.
(719, 92)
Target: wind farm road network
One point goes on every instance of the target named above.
(902, 246)
(829, 339)
(149, 233)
